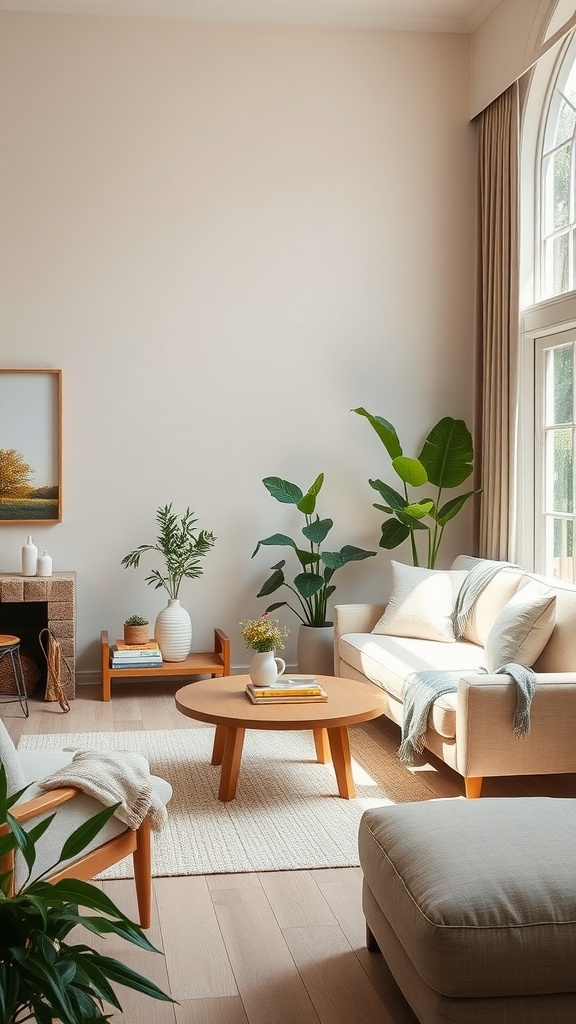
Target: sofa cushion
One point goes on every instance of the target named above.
(522, 629)
(481, 894)
(388, 662)
(490, 602)
(421, 603)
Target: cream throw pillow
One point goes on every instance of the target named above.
(522, 629)
(490, 601)
(421, 603)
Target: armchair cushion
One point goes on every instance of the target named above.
(11, 761)
(37, 764)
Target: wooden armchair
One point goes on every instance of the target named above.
(113, 843)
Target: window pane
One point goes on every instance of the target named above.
(560, 549)
(557, 190)
(559, 385)
(565, 123)
(559, 462)
(569, 89)
(556, 267)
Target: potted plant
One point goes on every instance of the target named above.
(311, 587)
(42, 976)
(136, 630)
(182, 547)
(446, 461)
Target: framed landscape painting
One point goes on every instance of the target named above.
(30, 446)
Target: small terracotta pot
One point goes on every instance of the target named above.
(136, 634)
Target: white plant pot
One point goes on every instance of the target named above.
(265, 668)
(315, 650)
(173, 631)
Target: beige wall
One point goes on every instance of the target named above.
(227, 237)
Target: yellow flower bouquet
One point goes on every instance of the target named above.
(264, 634)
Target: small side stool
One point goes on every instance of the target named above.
(10, 648)
(473, 905)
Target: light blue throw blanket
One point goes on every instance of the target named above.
(423, 688)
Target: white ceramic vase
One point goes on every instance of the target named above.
(44, 565)
(315, 650)
(265, 668)
(29, 558)
(173, 631)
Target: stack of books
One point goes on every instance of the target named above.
(287, 691)
(135, 655)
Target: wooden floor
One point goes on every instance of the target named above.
(281, 947)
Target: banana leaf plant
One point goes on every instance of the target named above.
(312, 586)
(42, 976)
(446, 461)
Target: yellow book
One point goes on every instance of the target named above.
(293, 698)
(151, 645)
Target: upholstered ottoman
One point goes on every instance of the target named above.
(473, 905)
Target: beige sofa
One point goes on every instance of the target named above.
(472, 729)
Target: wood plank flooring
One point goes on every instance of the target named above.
(283, 947)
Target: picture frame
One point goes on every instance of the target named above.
(30, 446)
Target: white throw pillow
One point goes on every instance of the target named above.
(490, 600)
(522, 629)
(421, 603)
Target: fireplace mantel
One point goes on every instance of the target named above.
(59, 592)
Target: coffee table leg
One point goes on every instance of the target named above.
(231, 763)
(322, 746)
(219, 744)
(340, 747)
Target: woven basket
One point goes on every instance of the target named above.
(31, 674)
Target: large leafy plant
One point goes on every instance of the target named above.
(312, 586)
(181, 547)
(42, 976)
(446, 461)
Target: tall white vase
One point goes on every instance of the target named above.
(173, 631)
(29, 558)
(315, 650)
(265, 668)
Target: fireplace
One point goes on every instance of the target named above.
(28, 604)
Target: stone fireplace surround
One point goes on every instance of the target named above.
(59, 593)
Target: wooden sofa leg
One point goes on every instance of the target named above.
(371, 944)
(142, 860)
(473, 788)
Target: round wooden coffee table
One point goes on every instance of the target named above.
(224, 703)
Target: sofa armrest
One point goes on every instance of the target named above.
(485, 742)
(356, 618)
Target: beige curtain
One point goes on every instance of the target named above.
(497, 307)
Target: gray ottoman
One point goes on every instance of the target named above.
(473, 905)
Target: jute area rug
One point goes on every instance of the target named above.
(286, 815)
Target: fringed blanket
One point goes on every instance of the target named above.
(423, 688)
(474, 583)
(122, 777)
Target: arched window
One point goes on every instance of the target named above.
(546, 479)
(558, 184)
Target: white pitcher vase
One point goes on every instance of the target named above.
(265, 668)
(173, 631)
